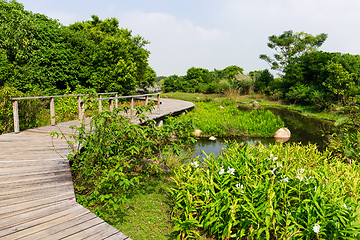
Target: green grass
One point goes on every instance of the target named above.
(146, 214)
(263, 100)
(226, 120)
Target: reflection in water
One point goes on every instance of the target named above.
(303, 130)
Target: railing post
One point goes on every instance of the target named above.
(16, 116)
(52, 111)
(116, 101)
(100, 104)
(131, 106)
(79, 107)
(111, 107)
(158, 100)
(146, 100)
(82, 111)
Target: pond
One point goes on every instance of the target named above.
(303, 130)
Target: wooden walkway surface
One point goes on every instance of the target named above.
(37, 199)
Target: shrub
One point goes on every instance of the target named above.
(115, 155)
(278, 192)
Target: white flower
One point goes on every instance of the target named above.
(221, 171)
(284, 179)
(207, 192)
(231, 171)
(345, 206)
(273, 171)
(315, 188)
(271, 156)
(300, 177)
(195, 164)
(238, 185)
(275, 158)
(301, 170)
(316, 228)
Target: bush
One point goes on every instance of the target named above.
(278, 192)
(116, 155)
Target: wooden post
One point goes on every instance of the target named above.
(132, 106)
(100, 104)
(79, 107)
(146, 100)
(52, 111)
(82, 111)
(111, 107)
(158, 100)
(16, 116)
(116, 101)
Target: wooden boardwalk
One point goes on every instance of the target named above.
(37, 199)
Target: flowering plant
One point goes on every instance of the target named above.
(278, 192)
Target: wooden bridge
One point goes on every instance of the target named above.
(37, 199)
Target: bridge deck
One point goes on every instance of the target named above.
(37, 199)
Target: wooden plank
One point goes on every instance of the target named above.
(101, 231)
(24, 217)
(118, 236)
(52, 218)
(66, 228)
(20, 207)
(44, 228)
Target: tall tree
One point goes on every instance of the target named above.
(289, 45)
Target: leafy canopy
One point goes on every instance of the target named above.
(289, 45)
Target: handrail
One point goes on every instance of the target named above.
(81, 104)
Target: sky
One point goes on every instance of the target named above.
(214, 34)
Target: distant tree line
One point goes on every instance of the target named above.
(38, 54)
(307, 76)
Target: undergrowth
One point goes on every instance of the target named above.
(274, 192)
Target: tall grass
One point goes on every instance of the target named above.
(227, 120)
(278, 192)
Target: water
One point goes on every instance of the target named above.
(303, 130)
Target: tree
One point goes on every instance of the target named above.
(289, 45)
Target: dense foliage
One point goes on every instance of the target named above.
(289, 45)
(227, 120)
(116, 155)
(274, 192)
(205, 81)
(39, 54)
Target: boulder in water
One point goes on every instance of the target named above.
(282, 135)
(212, 138)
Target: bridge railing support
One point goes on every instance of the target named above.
(80, 104)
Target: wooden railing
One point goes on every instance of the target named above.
(81, 104)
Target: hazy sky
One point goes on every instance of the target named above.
(214, 34)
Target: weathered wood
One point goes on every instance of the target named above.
(52, 111)
(100, 104)
(132, 106)
(16, 116)
(37, 199)
(111, 105)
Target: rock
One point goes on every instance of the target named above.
(305, 115)
(254, 102)
(212, 138)
(282, 134)
(160, 123)
(221, 107)
(197, 98)
(197, 133)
